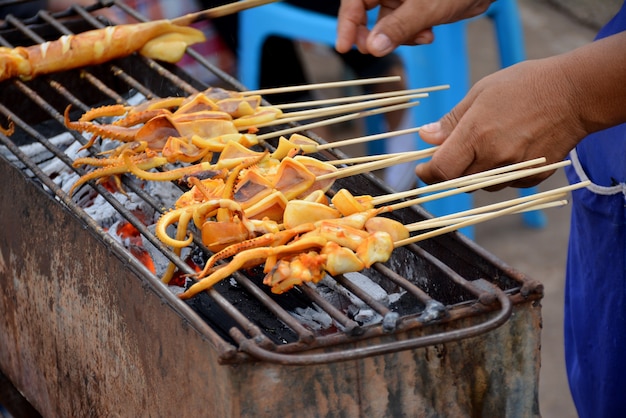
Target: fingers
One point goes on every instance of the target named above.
(351, 25)
(380, 44)
(433, 133)
(399, 24)
(446, 166)
(465, 149)
(427, 36)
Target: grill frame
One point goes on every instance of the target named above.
(119, 345)
(339, 354)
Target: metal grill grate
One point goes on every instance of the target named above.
(440, 280)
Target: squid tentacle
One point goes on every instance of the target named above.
(116, 169)
(9, 130)
(254, 256)
(183, 223)
(170, 218)
(103, 112)
(105, 131)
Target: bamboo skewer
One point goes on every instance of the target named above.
(364, 104)
(460, 185)
(350, 99)
(362, 139)
(459, 217)
(461, 181)
(436, 223)
(334, 110)
(472, 221)
(505, 178)
(366, 158)
(432, 88)
(219, 11)
(363, 159)
(372, 166)
(454, 217)
(328, 85)
(337, 119)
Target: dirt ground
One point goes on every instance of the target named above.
(538, 252)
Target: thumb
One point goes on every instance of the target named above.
(401, 26)
(436, 132)
(433, 133)
(451, 159)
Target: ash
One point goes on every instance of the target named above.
(161, 262)
(93, 203)
(346, 301)
(106, 215)
(313, 317)
(38, 153)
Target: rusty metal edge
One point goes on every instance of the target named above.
(141, 272)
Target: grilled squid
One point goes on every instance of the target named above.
(304, 253)
(160, 39)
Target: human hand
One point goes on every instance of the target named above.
(516, 114)
(399, 22)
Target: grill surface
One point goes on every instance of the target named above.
(451, 288)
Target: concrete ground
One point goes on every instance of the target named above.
(539, 253)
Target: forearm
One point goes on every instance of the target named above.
(596, 75)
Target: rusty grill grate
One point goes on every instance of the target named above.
(439, 280)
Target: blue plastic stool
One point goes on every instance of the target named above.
(444, 62)
(277, 19)
(510, 39)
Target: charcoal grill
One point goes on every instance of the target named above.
(89, 330)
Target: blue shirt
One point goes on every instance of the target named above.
(595, 289)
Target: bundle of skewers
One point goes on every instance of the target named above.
(254, 204)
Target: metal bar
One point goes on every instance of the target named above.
(356, 353)
(348, 325)
(366, 298)
(482, 295)
(304, 334)
(433, 309)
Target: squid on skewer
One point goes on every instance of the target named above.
(188, 130)
(160, 39)
(307, 251)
